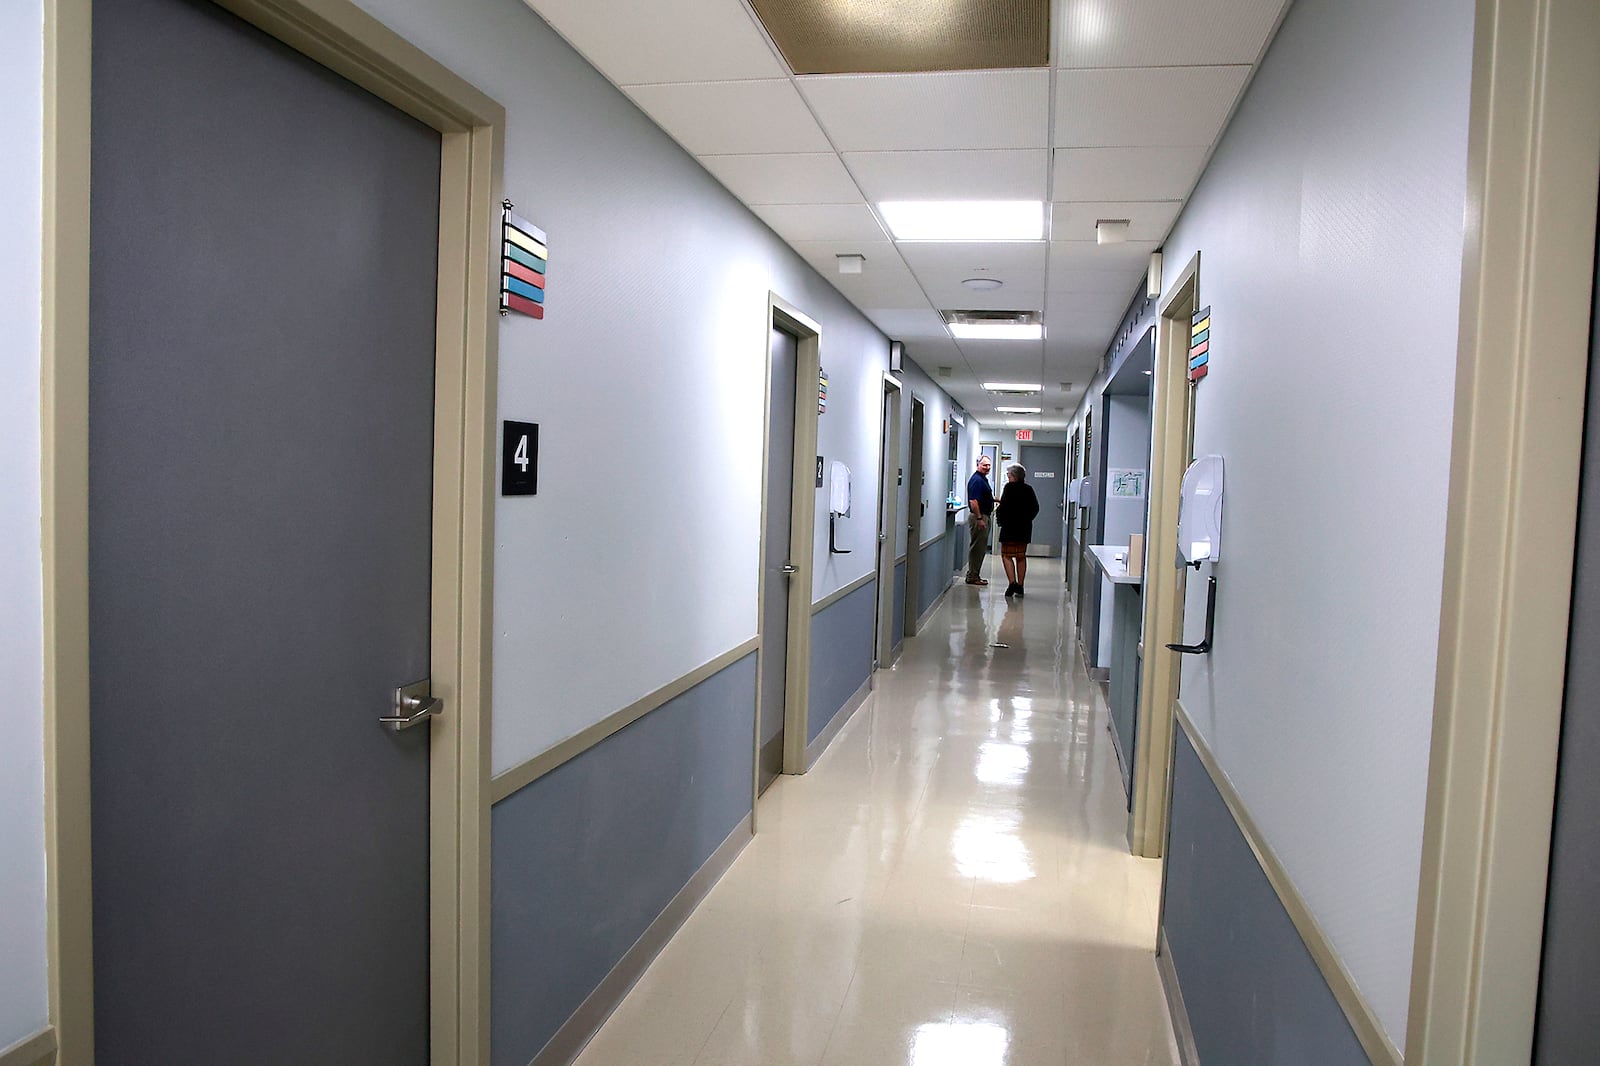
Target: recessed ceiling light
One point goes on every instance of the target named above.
(983, 284)
(1017, 410)
(964, 220)
(1009, 386)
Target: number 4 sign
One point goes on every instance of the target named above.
(519, 459)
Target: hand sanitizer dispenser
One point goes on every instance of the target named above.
(1200, 512)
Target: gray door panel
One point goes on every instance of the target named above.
(260, 420)
(1047, 473)
(1568, 1027)
(779, 504)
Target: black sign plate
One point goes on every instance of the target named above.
(519, 459)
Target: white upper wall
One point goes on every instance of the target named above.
(1329, 224)
(24, 998)
(637, 562)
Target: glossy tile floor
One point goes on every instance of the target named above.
(949, 886)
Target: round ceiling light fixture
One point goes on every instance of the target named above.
(983, 284)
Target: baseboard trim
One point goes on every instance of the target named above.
(519, 777)
(586, 1021)
(1357, 1010)
(815, 749)
(1100, 675)
(36, 1050)
(1188, 1053)
(938, 601)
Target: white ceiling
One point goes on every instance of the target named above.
(1119, 127)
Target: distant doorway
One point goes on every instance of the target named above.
(1046, 465)
(914, 507)
(888, 521)
(777, 571)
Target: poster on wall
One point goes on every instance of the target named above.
(1126, 484)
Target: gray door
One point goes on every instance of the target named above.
(1047, 473)
(1567, 1027)
(775, 584)
(915, 498)
(262, 291)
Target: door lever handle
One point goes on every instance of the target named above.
(413, 703)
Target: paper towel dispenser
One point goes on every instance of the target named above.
(1200, 512)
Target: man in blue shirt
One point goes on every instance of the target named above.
(980, 505)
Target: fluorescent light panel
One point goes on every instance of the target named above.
(996, 331)
(1018, 410)
(1009, 386)
(964, 220)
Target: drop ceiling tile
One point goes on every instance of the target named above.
(1130, 256)
(732, 117)
(1116, 283)
(664, 40)
(1163, 33)
(1148, 220)
(884, 282)
(952, 296)
(903, 325)
(925, 112)
(1145, 105)
(822, 222)
(808, 178)
(1018, 174)
(1126, 173)
(1019, 264)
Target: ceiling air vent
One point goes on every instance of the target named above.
(994, 325)
(946, 371)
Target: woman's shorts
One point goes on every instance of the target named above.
(1013, 551)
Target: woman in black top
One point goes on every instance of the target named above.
(1015, 513)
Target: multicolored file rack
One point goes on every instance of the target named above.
(527, 254)
(1200, 344)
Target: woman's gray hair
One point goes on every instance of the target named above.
(1016, 472)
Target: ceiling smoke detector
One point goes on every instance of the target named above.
(851, 264)
(994, 325)
(982, 284)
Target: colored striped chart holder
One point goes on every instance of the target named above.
(1200, 344)
(526, 254)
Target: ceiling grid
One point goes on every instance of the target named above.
(1118, 123)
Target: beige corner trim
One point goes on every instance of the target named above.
(1526, 289)
(840, 593)
(1357, 1011)
(1164, 589)
(36, 1050)
(526, 773)
(931, 541)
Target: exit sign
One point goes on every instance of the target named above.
(1024, 434)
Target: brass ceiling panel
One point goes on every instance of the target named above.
(907, 36)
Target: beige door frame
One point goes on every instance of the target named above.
(340, 36)
(781, 314)
(1172, 435)
(889, 434)
(1532, 158)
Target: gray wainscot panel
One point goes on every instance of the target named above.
(899, 603)
(841, 654)
(1253, 993)
(588, 855)
(933, 572)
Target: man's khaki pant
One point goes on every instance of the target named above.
(978, 548)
